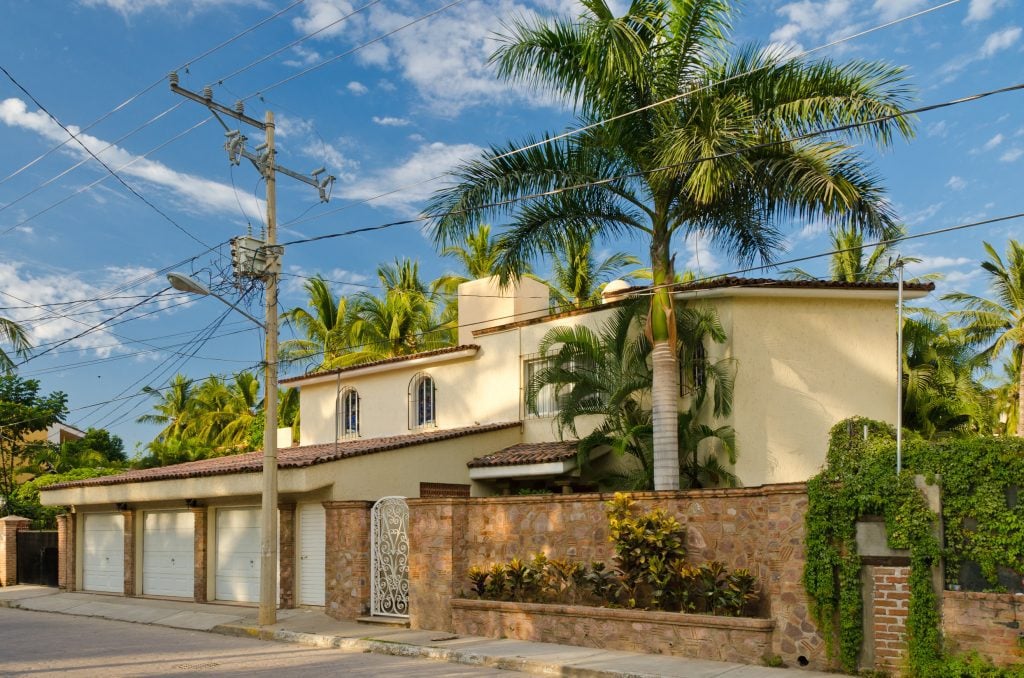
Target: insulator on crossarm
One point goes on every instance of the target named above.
(173, 77)
(240, 107)
(207, 92)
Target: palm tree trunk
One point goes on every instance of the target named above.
(665, 364)
(1020, 395)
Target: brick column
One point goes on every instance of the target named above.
(437, 567)
(890, 602)
(286, 551)
(9, 528)
(199, 515)
(348, 558)
(129, 552)
(66, 551)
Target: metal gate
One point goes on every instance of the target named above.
(37, 557)
(389, 558)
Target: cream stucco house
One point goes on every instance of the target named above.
(453, 422)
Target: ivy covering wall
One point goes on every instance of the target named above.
(983, 523)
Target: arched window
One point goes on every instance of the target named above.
(348, 413)
(422, 402)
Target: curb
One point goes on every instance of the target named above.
(395, 649)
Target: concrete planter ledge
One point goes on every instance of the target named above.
(736, 639)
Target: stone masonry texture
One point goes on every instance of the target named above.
(286, 551)
(761, 529)
(200, 514)
(348, 558)
(129, 552)
(9, 528)
(989, 623)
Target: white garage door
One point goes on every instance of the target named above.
(168, 560)
(238, 555)
(312, 548)
(103, 553)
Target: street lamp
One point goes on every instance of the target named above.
(268, 506)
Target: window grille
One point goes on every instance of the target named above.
(546, 402)
(693, 372)
(422, 402)
(348, 413)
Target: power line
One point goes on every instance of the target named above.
(97, 159)
(152, 85)
(639, 173)
(599, 123)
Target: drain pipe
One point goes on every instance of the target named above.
(899, 369)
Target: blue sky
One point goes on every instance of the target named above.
(391, 114)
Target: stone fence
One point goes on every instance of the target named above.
(761, 529)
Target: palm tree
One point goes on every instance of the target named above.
(15, 335)
(998, 325)
(712, 160)
(402, 321)
(607, 373)
(848, 264)
(173, 410)
(325, 329)
(224, 411)
(1006, 396)
(577, 277)
(478, 256)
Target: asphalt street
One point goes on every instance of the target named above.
(42, 644)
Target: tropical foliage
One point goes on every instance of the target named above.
(15, 335)
(849, 263)
(707, 156)
(23, 410)
(606, 375)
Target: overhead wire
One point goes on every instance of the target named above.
(631, 175)
(599, 123)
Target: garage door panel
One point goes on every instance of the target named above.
(312, 554)
(238, 555)
(103, 553)
(168, 564)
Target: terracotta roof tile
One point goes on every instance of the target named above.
(528, 453)
(289, 457)
(386, 361)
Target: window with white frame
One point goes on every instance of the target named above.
(422, 402)
(545, 401)
(348, 413)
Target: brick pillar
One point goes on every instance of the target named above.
(10, 526)
(889, 605)
(199, 515)
(66, 551)
(437, 567)
(348, 558)
(286, 551)
(129, 552)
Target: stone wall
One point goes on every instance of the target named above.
(286, 556)
(989, 623)
(129, 552)
(757, 528)
(9, 528)
(66, 551)
(200, 516)
(348, 558)
(730, 639)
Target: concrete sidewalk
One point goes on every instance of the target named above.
(312, 627)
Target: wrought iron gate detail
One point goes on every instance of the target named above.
(389, 558)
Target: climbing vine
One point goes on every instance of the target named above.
(983, 522)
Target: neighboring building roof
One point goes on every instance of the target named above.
(290, 457)
(528, 453)
(723, 282)
(386, 361)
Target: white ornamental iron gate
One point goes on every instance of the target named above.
(389, 558)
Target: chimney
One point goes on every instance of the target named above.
(484, 303)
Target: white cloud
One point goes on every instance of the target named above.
(888, 10)
(1012, 155)
(428, 161)
(700, 258)
(937, 129)
(195, 193)
(44, 325)
(979, 10)
(341, 281)
(993, 142)
(811, 18)
(128, 7)
(357, 88)
(286, 126)
(328, 17)
(336, 162)
(999, 41)
(929, 264)
(306, 57)
(956, 183)
(924, 214)
(389, 121)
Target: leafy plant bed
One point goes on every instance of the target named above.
(702, 636)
